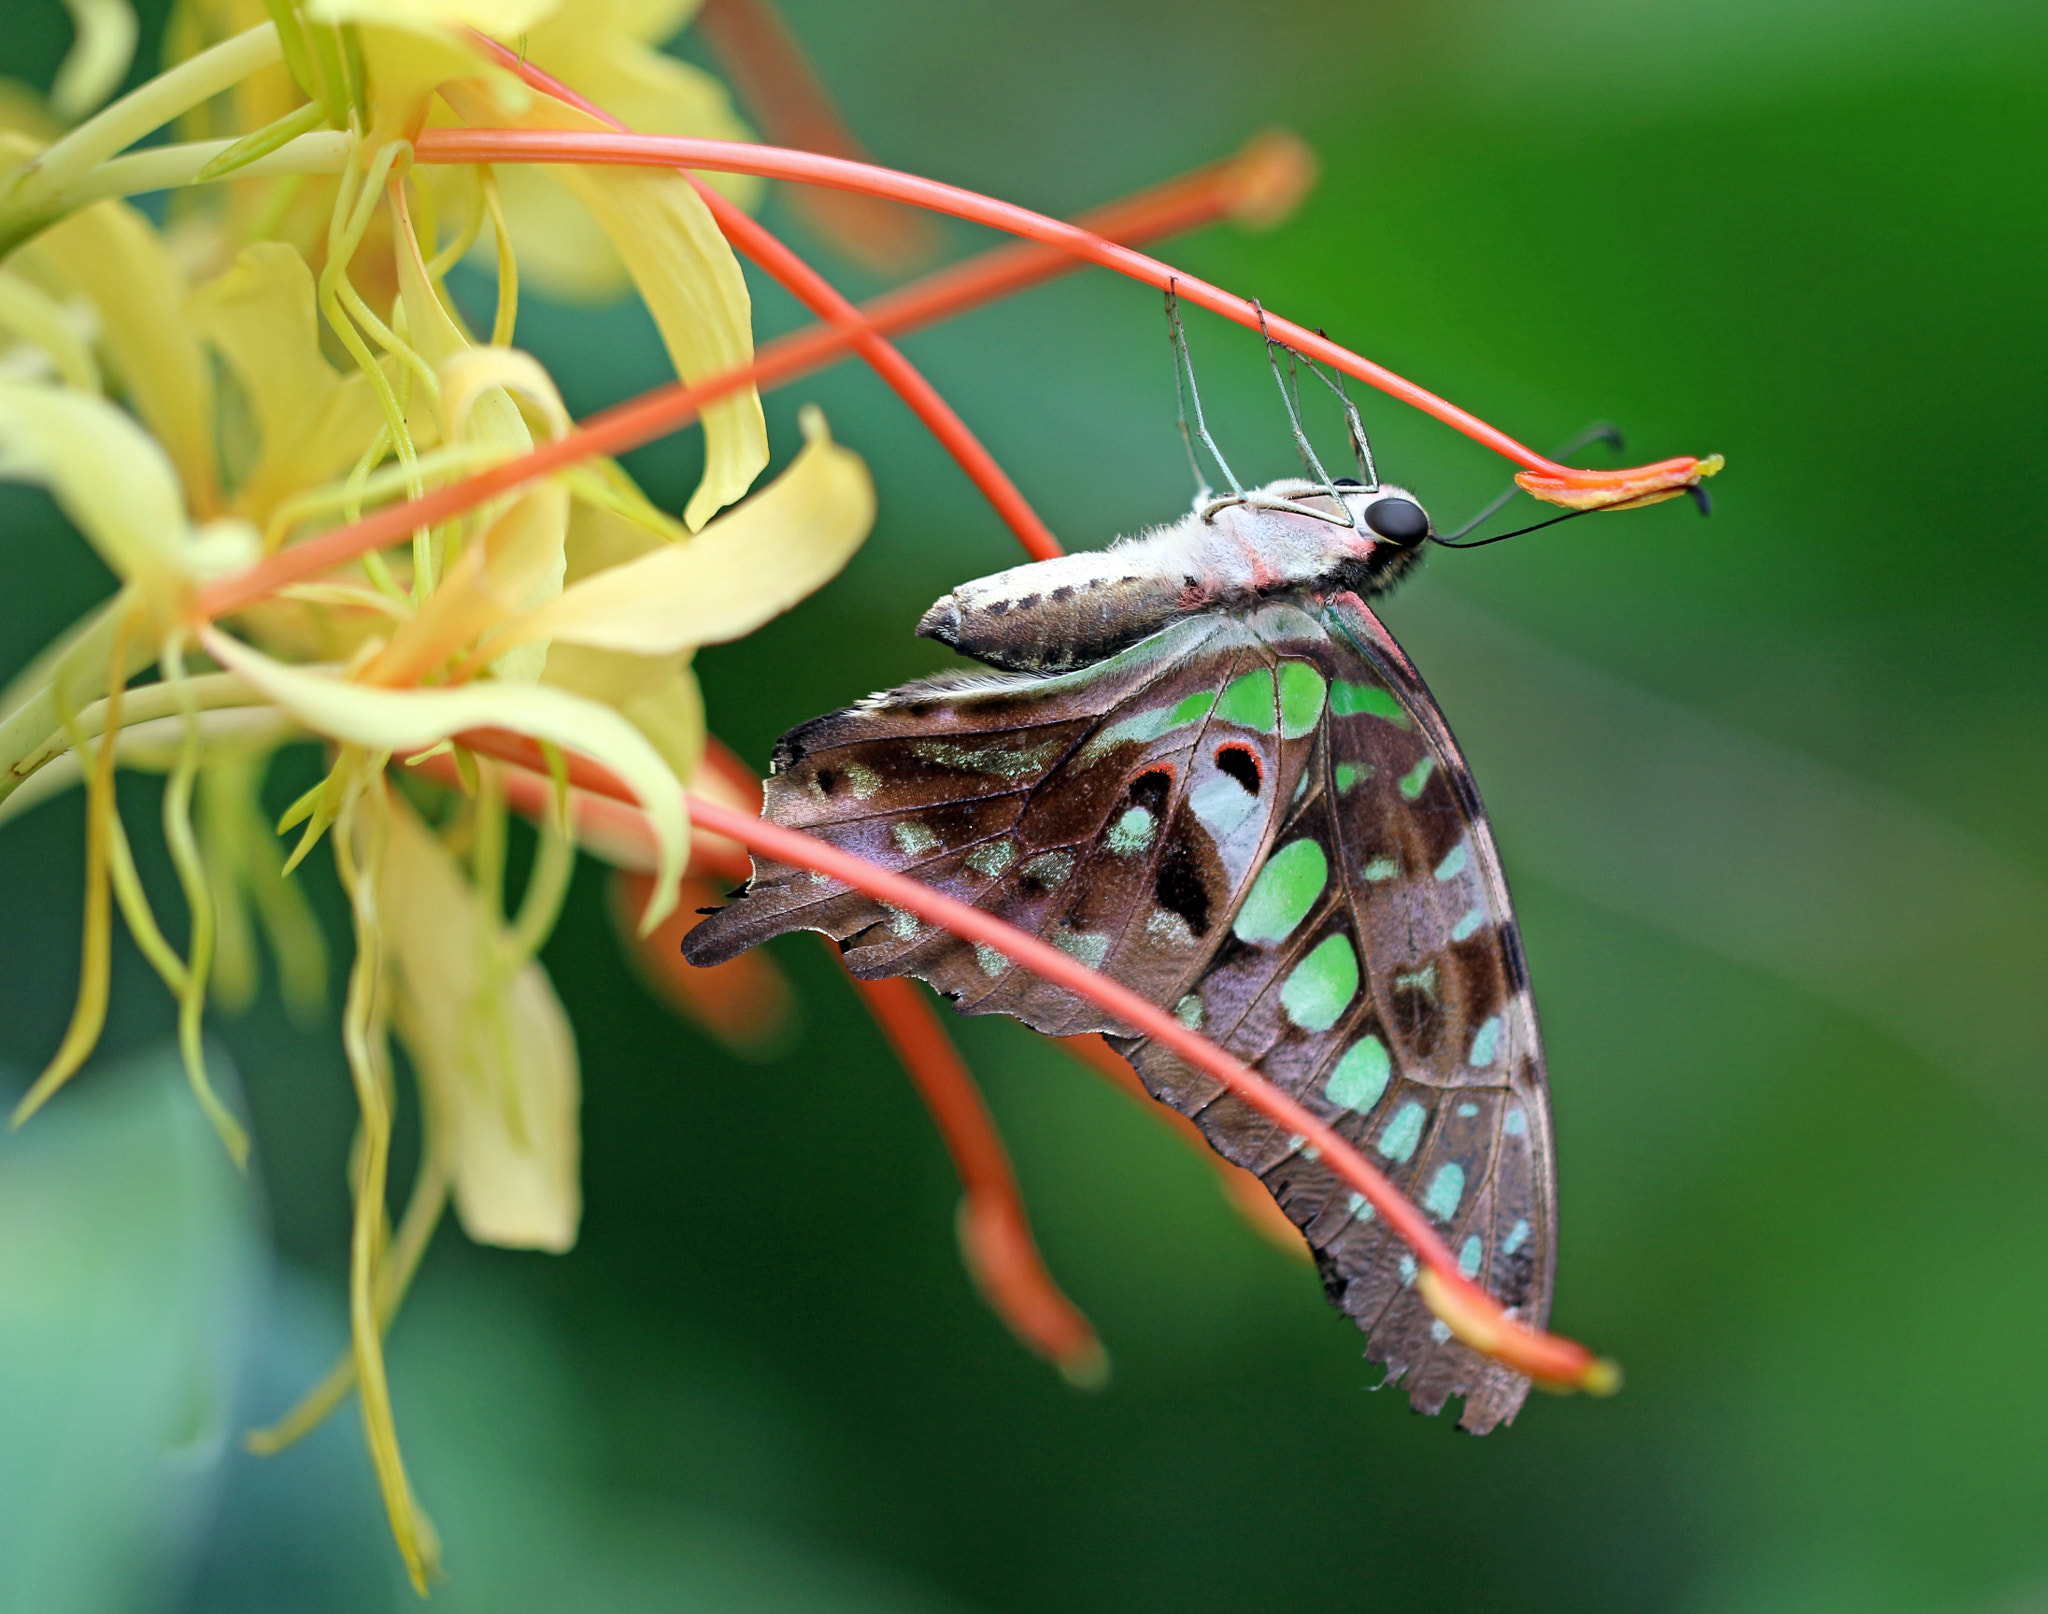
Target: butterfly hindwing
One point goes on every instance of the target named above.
(1257, 819)
(1055, 803)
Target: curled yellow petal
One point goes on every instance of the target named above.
(98, 59)
(606, 50)
(746, 567)
(311, 421)
(115, 483)
(413, 719)
(685, 272)
(496, 1058)
(111, 255)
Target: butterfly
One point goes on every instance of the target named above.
(1201, 765)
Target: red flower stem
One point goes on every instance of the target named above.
(824, 299)
(1548, 1358)
(774, 162)
(1239, 184)
(994, 1231)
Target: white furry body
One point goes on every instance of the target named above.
(1054, 615)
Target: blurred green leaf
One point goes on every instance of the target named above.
(130, 1257)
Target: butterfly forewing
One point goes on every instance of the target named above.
(1373, 973)
(1256, 819)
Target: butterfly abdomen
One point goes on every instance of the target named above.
(1062, 614)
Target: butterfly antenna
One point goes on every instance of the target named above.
(1177, 337)
(1601, 431)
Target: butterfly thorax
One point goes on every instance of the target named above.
(1058, 615)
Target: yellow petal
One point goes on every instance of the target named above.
(411, 47)
(658, 695)
(313, 422)
(118, 488)
(413, 719)
(559, 243)
(111, 255)
(689, 278)
(496, 1060)
(495, 577)
(745, 568)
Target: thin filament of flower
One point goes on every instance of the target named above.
(394, 1276)
(192, 880)
(89, 1012)
(729, 156)
(363, 1033)
(766, 65)
(1549, 1358)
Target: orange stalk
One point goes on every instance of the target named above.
(1543, 477)
(994, 1232)
(1550, 1359)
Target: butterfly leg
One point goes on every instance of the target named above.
(1177, 338)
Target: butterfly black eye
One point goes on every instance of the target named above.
(1400, 521)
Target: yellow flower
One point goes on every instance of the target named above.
(277, 373)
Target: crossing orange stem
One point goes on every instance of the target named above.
(994, 1232)
(1548, 1358)
(822, 298)
(812, 168)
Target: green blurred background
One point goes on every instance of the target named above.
(1769, 789)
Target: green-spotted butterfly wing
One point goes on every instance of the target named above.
(1256, 818)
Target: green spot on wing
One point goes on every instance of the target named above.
(1090, 947)
(1446, 1188)
(993, 858)
(1319, 988)
(1301, 698)
(1132, 832)
(1403, 1132)
(1485, 1044)
(1347, 776)
(1146, 726)
(1366, 700)
(913, 839)
(1361, 1075)
(1454, 862)
(1249, 701)
(1381, 868)
(1416, 777)
(1469, 1253)
(1280, 898)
